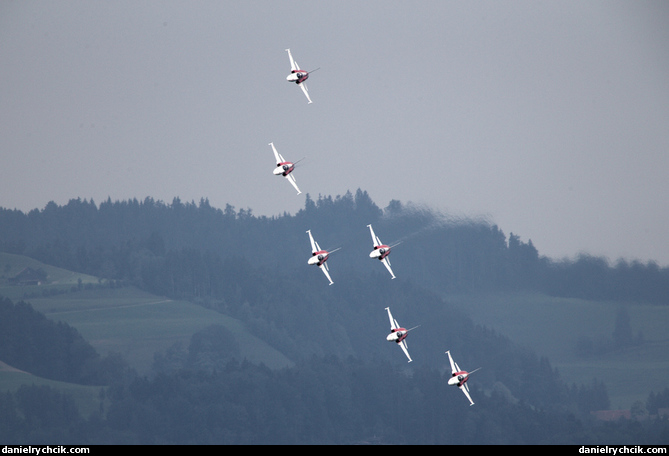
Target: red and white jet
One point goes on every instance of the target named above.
(381, 251)
(459, 377)
(285, 168)
(398, 334)
(320, 256)
(298, 76)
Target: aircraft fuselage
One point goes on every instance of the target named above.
(380, 252)
(284, 168)
(397, 335)
(458, 378)
(297, 76)
(318, 258)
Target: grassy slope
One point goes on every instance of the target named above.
(137, 324)
(11, 264)
(87, 398)
(551, 327)
(126, 320)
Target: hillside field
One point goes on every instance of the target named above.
(138, 324)
(87, 398)
(57, 278)
(122, 320)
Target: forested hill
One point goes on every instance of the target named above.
(347, 384)
(120, 240)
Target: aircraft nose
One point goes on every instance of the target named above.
(278, 170)
(390, 337)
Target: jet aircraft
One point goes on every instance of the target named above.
(398, 334)
(320, 256)
(285, 168)
(459, 377)
(298, 76)
(381, 251)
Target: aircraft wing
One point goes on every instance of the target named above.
(454, 367)
(324, 268)
(403, 344)
(393, 323)
(375, 240)
(293, 64)
(465, 389)
(304, 89)
(314, 246)
(386, 263)
(291, 179)
(277, 156)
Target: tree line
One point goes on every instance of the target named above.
(119, 241)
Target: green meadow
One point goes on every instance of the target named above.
(58, 279)
(88, 398)
(124, 320)
(137, 324)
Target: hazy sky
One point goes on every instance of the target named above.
(551, 119)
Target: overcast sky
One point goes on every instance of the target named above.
(550, 119)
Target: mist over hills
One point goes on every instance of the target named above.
(255, 270)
